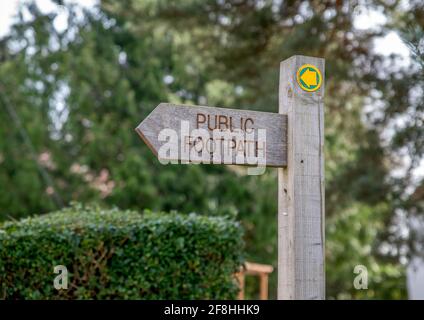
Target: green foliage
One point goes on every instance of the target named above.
(352, 240)
(113, 254)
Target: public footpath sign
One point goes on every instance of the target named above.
(215, 135)
(291, 140)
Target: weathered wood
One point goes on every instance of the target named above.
(263, 286)
(301, 187)
(294, 138)
(169, 116)
(257, 268)
(240, 277)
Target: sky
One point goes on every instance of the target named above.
(366, 19)
(8, 8)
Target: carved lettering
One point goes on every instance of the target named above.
(223, 122)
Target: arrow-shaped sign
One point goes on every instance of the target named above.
(215, 135)
(309, 77)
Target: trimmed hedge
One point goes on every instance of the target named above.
(113, 254)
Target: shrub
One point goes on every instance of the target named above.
(113, 254)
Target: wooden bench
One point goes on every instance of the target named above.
(255, 269)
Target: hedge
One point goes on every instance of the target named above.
(114, 254)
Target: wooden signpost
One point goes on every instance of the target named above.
(167, 116)
(292, 140)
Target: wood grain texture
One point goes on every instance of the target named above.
(167, 115)
(301, 187)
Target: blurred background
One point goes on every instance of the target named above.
(76, 78)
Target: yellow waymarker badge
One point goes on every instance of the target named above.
(309, 77)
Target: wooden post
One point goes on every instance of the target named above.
(301, 231)
(240, 277)
(255, 269)
(263, 286)
(294, 140)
